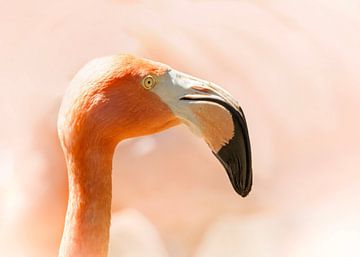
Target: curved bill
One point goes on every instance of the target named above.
(211, 112)
(235, 154)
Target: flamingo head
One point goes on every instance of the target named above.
(118, 97)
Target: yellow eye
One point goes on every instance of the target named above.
(149, 82)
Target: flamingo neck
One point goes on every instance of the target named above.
(87, 224)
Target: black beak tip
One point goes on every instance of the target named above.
(240, 177)
(243, 185)
(242, 190)
(235, 156)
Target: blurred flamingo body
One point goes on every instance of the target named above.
(118, 97)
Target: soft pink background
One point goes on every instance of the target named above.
(294, 66)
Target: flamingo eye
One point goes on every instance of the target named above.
(149, 82)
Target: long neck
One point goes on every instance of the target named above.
(86, 231)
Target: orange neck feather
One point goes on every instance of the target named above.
(86, 231)
(105, 104)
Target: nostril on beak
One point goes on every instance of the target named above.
(201, 89)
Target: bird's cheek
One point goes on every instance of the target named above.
(215, 124)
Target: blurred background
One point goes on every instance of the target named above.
(292, 65)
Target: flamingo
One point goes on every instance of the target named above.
(122, 96)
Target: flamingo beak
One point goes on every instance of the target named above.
(211, 112)
(234, 153)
